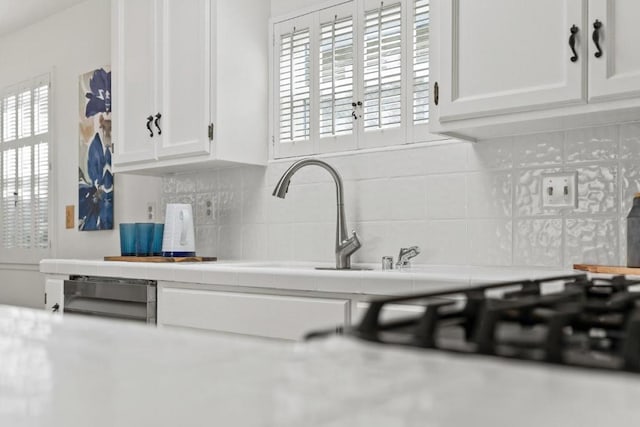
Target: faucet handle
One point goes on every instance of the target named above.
(406, 254)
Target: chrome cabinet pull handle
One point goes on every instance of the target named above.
(149, 120)
(572, 43)
(596, 37)
(158, 117)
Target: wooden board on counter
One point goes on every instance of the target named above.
(607, 269)
(160, 258)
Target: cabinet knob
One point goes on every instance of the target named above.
(149, 120)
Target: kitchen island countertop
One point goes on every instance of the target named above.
(72, 371)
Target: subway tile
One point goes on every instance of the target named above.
(598, 189)
(448, 243)
(280, 242)
(407, 198)
(591, 144)
(254, 177)
(591, 241)
(538, 149)
(491, 242)
(312, 202)
(491, 154)
(207, 240)
(404, 234)
(538, 242)
(489, 194)
(372, 200)
(630, 141)
(230, 241)
(254, 205)
(446, 196)
(230, 179)
(228, 206)
(528, 192)
(254, 241)
(314, 242)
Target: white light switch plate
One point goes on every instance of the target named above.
(560, 190)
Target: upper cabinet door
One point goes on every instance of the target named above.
(186, 77)
(615, 72)
(501, 56)
(134, 81)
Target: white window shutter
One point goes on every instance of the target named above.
(383, 42)
(421, 62)
(293, 92)
(24, 157)
(336, 75)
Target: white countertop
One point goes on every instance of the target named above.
(301, 276)
(68, 372)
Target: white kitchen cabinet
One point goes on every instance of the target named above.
(505, 68)
(615, 73)
(53, 295)
(273, 316)
(190, 84)
(502, 56)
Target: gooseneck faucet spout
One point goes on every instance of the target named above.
(345, 245)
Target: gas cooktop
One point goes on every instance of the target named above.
(570, 320)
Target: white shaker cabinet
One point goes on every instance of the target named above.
(272, 316)
(501, 56)
(190, 84)
(615, 71)
(503, 68)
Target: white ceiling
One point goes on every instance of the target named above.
(15, 14)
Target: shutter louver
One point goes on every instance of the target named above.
(9, 116)
(421, 62)
(295, 86)
(336, 77)
(23, 198)
(383, 67)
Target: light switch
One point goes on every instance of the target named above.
(560, 190)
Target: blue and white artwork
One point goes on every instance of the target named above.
(95, 179)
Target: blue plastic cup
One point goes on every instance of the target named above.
(127, 239)
(144, 238)
(158, 233)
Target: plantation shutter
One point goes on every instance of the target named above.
(24, 182)
(294, 86)
(421, 62)
(382, 52)
(337, 77)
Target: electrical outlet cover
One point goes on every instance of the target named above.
(560, 190)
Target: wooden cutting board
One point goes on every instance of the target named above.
(607, 269)
(161, 258)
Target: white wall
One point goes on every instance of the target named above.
(67, 44)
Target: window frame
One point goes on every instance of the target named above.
(359, 140)
(32, 254)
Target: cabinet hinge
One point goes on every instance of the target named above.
(436, 93)
(210, 131)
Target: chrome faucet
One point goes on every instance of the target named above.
(345, 245)
(405, 255)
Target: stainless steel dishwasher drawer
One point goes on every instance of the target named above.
(130, 299)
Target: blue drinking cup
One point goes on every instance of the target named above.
(127, 239)
(144, 238)
(158, 233)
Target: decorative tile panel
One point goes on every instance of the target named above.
(528, 198)
(538, 150)
(538, 242)
(592, 144)
(591, 241)
(598, 189)
(491, 242)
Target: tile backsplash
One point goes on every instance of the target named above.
(462, 203)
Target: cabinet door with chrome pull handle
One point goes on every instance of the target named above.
(149, 120)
